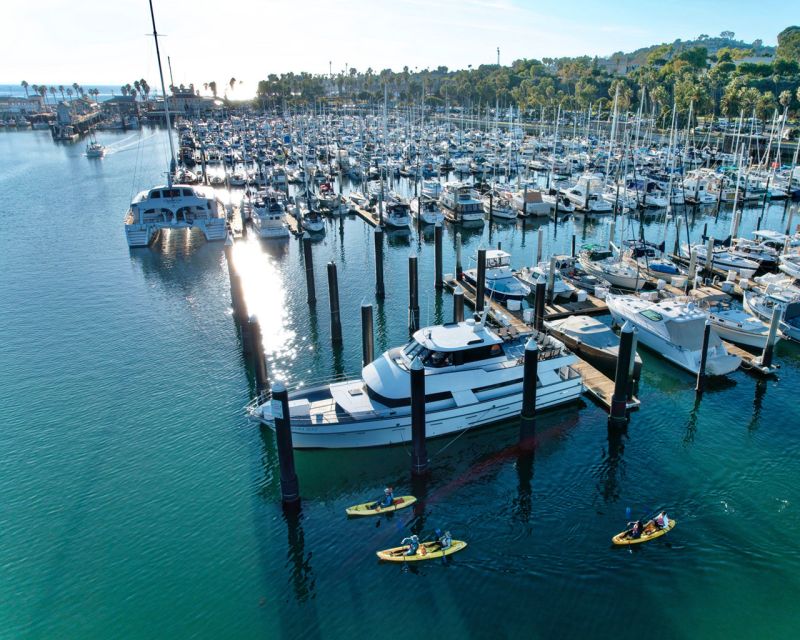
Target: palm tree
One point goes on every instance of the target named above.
(61, 89)
(69, 92)
(231, 83)
(77, 88)
(53, 93)
(213, 86)
(24, 84)
(43, 92)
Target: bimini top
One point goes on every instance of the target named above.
(497, 258)
(455, 336)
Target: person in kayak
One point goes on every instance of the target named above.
(662, 520)
(445, 540)
(413, 545)
(386, 501)
(636, 531)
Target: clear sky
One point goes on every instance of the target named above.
(104, 42)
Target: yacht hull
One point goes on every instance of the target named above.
(394, 430)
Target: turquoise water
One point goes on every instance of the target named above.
(137, 500)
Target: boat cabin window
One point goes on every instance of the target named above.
(172, 193)
(476, 354)
(652, 315)
(188, 192)
(155, 194)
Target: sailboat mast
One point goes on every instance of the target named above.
(166, 99)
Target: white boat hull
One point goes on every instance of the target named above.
(397, 429)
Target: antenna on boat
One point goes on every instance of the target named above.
(166, 99)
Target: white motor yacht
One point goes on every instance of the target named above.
(267, 215)
(732, 322)
(561, 288)
(397, 213)
(473, 377)
(461, 203)
(500, 283)
(722, 259)
(602, 264)
(674, 329)
(426, 209)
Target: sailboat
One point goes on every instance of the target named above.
(172, 206)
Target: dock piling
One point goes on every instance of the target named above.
(551, 280)
(480, 286)
(527, 424)
(573, 245)
(766, 356)
(701, 373)
(458, 304)
(419, 455)
(437, 245)
(380, 291)
(290, 489)
(309, 264)
(618, 416)
(539, 245)
(333, 294)
(538, 304)
(459, 268)
(676, 249)
(692, 269)
(257, 352)
(710, 257)
(367, 336)
(413, 294)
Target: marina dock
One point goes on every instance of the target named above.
(596, 384)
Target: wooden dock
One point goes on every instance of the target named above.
(293, 223)
(590, 307)
(598, 385)
(750, 363)
(366, 216)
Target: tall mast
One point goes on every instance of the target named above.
(166, 99)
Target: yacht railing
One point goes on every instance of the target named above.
(297, 385)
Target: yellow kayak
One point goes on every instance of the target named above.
(426, 551)
(650, 533)
(366, 509)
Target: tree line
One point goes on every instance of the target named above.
(723, 82)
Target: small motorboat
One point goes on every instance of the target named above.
(366, 509)
(572, 271)
(592, 340)
(501, 285)
(426, 551)
(650, 532)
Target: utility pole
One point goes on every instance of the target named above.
(498, 56)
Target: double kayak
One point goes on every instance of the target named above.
(651, 532)
(426, 551)
(367, 509)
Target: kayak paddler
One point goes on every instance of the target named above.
(662, 520)
(444, 540)
(386, 501)
(413, 545)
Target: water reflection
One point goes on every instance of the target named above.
(758, 402)
(612, 467)
(298, 560)
(265, 297)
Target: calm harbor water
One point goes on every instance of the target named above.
(137, 500)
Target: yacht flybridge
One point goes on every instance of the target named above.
(473, 377)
